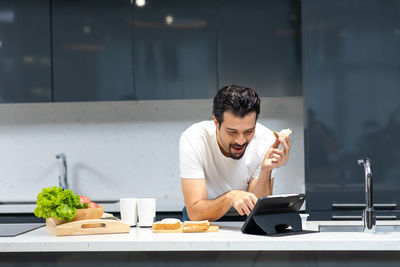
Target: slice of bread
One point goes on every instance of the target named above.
(170, 220)
(196, 225)
(167, 224)
(283, 134)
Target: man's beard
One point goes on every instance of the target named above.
(233, 155)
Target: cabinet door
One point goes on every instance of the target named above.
(259, 46)
(25, 64)
(92, 58)
(352, 83)
(175, 49)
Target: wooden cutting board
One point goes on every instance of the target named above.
(211, 228)
(87, 227)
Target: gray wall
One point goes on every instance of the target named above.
(119, 149)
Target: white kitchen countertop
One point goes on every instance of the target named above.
(228, 238)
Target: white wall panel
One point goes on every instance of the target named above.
(120, 149)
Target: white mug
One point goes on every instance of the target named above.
(128, 209)
(146, 211)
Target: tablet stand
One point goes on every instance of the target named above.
(278, 222)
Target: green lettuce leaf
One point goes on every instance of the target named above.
(58, 203)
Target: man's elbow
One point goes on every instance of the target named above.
(198, 215)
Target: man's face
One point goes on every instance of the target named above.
(235, 133)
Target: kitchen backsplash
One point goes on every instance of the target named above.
(120, 149)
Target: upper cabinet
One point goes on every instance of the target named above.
(259, 46)
(104, 50)
(352, 81)
(25, 61)
(175, 49)
(92, 54)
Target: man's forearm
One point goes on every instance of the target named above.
(263, 186)
(210, 209)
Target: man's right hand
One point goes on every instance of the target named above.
(242, 201)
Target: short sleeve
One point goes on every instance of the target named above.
(189, 160)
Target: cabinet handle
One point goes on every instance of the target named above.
(344, 217)
(386, 217)
(344, 206)
(355, 217)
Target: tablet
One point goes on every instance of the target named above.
(273, 204)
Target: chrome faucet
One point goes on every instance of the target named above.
(63, 182)
(368, 213)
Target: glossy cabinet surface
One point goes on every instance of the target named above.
(92, 56)
(175, 49)
(25, 58)
(260, 46)
(352, 89)
(63, 50)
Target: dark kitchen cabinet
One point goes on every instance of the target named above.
(351, 53)
(25, 61)
(91, 49)
(259, 45)
(175, 49)
(85, 50)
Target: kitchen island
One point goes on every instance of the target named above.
(228, 245)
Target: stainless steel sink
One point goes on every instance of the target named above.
(358, 228)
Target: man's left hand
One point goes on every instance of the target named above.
(276, 157)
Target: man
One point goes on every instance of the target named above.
(228, 162)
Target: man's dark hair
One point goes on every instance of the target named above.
(239, 100)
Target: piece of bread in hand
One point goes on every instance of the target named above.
(195, 225)
(167, 224)
(283, 134)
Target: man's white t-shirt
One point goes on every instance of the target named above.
(201, 157)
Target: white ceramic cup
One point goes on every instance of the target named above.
(146, 211)
(128, 209)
